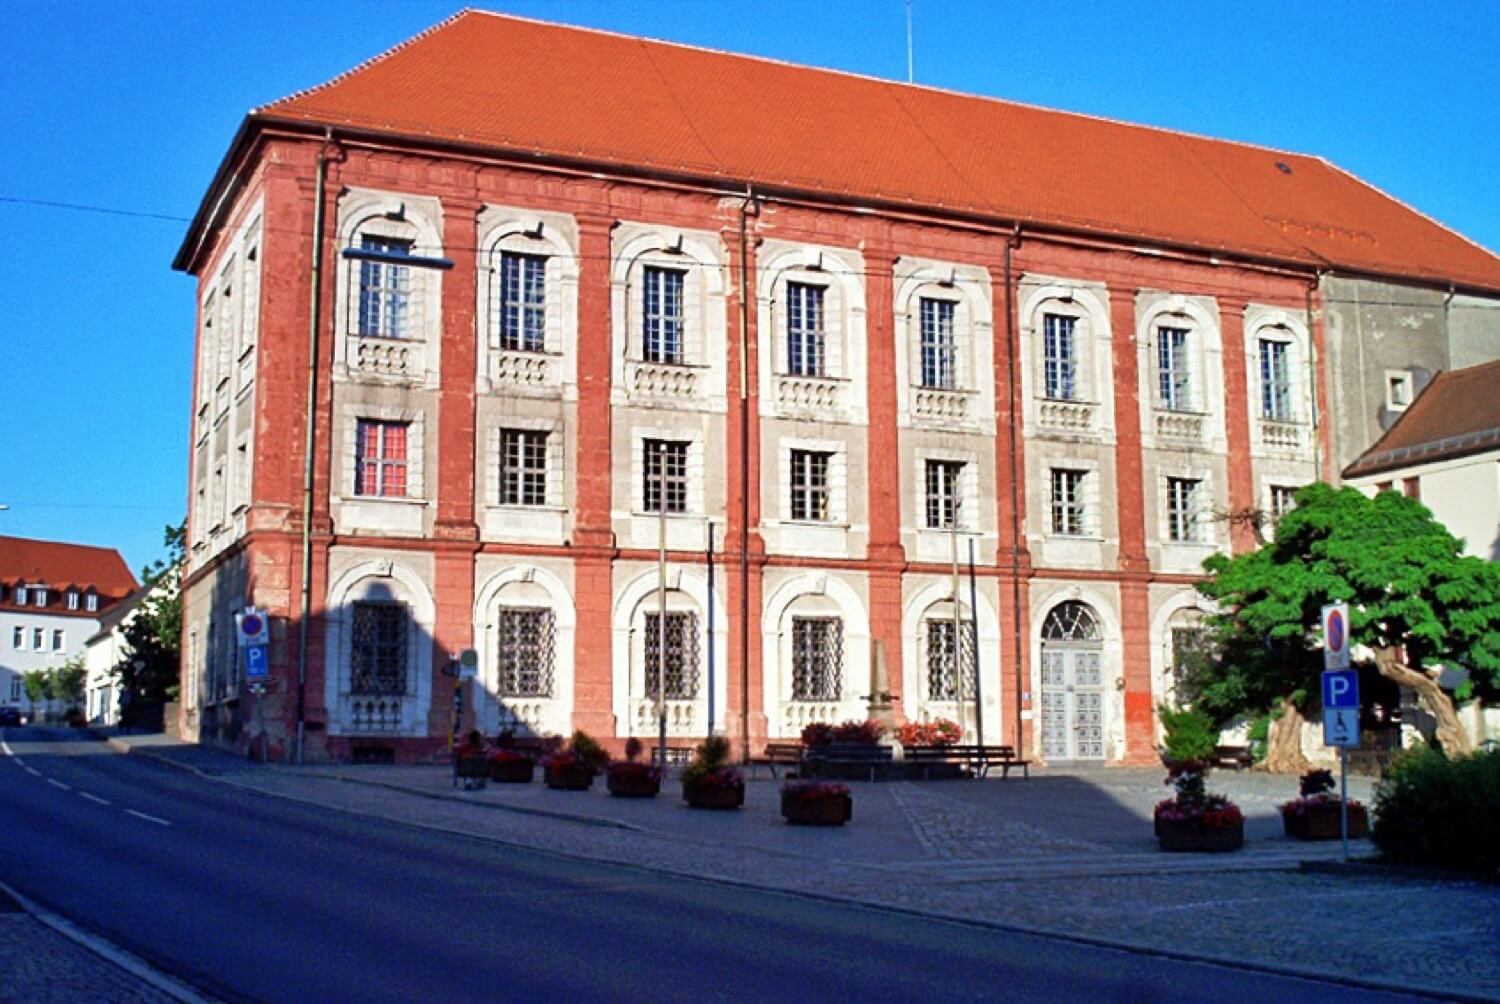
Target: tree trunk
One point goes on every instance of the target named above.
(1284, 742)
(1451, 734)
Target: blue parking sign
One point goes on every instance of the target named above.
(257, 663)
(1341, 688)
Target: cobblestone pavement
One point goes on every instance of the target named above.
(40, 966)
(1069, 852)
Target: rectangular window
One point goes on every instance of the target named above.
(41, 597)
(1184, 504)
(1412, 488)
(682, 655)
(942, 486)
(38, 637)
(1059, 359)
(527, 648)
(91, 602)
(1068, 511)
(523, 302)
(20, 596)
(385, 290)
(377, 653)
(939, 355)
(665, 485)
(18, 639)
(57, 640)
(661, 340)
(817, 659)
(1283, 500)
(380, 459)
(805, 337)
(944, 660)
(523, 467)
(72, 600)
(1275, 380)
(1191, 646)
(809, 485)
(1174, 376)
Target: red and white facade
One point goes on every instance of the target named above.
(511, 348)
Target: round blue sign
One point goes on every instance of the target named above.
(251, 625)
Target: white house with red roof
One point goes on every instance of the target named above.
(52, 598)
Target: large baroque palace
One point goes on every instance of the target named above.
(484, 317)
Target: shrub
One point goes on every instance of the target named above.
(938, 732)
(865, 733)
(1440, 813)
(817, 735)
(1189, 735)
(710, 767)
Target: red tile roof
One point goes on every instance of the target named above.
(59, 566)
(1457, 414)
(634, 104)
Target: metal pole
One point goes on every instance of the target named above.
(958, 648)
(1344, 800)
(661, 607)
(710, 730)
(978, 692)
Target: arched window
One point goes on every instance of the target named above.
(1072, 621)
(1072, 683)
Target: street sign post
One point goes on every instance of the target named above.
(1340, 705)
(257, 663)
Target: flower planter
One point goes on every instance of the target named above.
(633, 785)
(1321, 822)
(571, 777)
(829, 810)
(714, 797)
(1192, 835)
(512, 771)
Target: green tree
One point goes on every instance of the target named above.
(1414, 600)
(40, 686)
(149, 672)
(69, 681)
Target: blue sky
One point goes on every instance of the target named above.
(129, 106)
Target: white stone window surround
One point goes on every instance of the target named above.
(971, 406)
(365, 213)
(1091, 415)
(934, 600)
(840, 272)
(1213, 533)
(521, 523)
(1045, 596)
(687, 590)
(1399, 392)
(383, 514)
(1201, 427)
(553, 236)
(812, 594)
(379, 580)
(526, 585)
(1268, 437)
(1163, 686)
(975, 519)
(1093, 502)
(820, 538)
(701, 383)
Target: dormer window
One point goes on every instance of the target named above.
(21, 594)
(384, 289)
(661, 336)
(40, 597)
(91, 602)
(72, 599)
(939, 352)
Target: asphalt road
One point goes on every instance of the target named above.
(255, 898)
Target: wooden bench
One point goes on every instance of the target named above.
(778, 755)
(1238, 757)
(859, 756)
(978, 759)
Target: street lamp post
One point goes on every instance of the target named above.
(661, 607)
(958, 665)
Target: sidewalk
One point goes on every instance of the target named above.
(1069, 853)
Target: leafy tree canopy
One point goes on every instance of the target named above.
(150, 671)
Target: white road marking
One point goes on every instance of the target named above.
(33, 772)
(6, 747)
(58, 784)
(149, 819)
(95, 798)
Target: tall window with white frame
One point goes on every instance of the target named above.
(943, 480)
(950, 659)
(528, 649)
(377, 651)
(1174, 368)
(809, 485)
(938, 345)
(1184, 510)
(817, 659)
(662, 314)
(385, 289)
(523, 467)
(806, 336)
(665, 485)
(1069, 510)
(380, 459)
(1059, 358)
(681, 661)
(523, 301)
(1275, 380)
(1283, 500)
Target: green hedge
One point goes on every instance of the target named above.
(1441, 813)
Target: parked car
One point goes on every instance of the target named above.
(10, 715)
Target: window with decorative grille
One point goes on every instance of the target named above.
(945, 663)
(523, 467)
(523, 301)
(1059, 359)
(1184, 501)
(1275, 380)
(817, 659)
(809, 485)
(1190, 647)
(1069, 512)
(805, 336)
(1173, 369)
(939, 352)
(665, 483)
(385, 290)
(942, 494)
(528, 645)
(681, 657)
(377, 655)
(662, 336)
(380, 458)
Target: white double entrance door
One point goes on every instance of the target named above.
(1072, 703)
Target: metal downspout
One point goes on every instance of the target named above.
(744, 341)
(1015, 485)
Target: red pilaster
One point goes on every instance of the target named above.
(1237, 422)
(455, 420)
(1010, 515)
